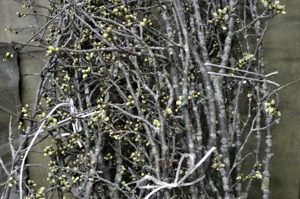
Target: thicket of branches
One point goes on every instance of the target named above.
(135, 93)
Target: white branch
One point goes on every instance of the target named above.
(73, 109)
(242, 77)
(162, 185)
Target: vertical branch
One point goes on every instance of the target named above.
(153, 82)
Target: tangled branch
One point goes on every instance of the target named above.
(131, 88)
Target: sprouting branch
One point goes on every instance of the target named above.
(139, 90)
